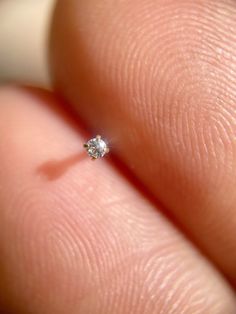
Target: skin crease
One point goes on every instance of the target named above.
(77, 236)
(158, 79)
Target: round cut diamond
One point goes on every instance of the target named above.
(96, 147)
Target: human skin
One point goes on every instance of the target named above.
(150, 229)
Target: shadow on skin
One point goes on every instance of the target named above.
(54, 169)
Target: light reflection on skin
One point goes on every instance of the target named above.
(23, 53)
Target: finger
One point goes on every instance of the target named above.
(159, 78)
(83, 240)
(24, 53)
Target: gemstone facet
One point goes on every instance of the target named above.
(96, 147)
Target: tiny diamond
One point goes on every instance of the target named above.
(96, 147)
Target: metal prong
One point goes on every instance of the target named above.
(93, 158)
(107, 150)
(85, 145)
(98, 137)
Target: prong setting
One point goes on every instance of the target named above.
(96, 147)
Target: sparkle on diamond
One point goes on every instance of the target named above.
(96, 147)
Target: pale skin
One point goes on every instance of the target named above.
(151, 227)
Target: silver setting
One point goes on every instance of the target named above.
(96, 147)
